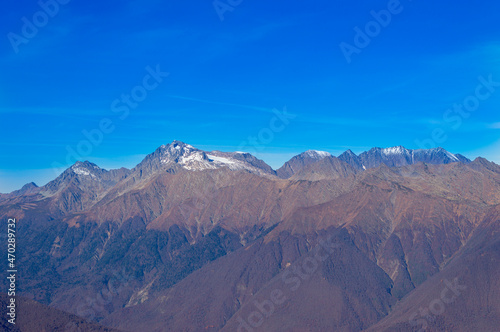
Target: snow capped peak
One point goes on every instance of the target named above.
(188, 157)
(84, 168)
(317, 154)
(177, 150)
(86, 164)
(176, 145)
(439, 150)
(394, 150)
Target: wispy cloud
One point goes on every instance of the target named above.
(362, 122)
(251, 107)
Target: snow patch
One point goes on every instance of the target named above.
(394, 150)
(82, 171)
(318, 154)
(191, 157)
(221, 160)
(451, 156)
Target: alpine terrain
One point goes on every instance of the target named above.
(391, 239)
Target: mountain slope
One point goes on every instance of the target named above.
(33, 316)
(326, 168)
(463, 296)
(252, 274)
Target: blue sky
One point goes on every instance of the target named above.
(225, 78)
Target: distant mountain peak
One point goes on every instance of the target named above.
(177, 145)
(30, 185)
(399, 156)
(85, 168)
(317, 154)
(300, 161)
(176, 155)
(349, 151)
(85, 164)
(26, 189)
(352, 159)
(395, 156)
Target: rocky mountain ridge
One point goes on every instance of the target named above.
(181, 156)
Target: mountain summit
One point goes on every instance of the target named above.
(392, 157)
(300, 161)
(400, 156)
(179, 155)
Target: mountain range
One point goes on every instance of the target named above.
(190, 240)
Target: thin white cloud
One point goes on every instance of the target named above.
(255, 108)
